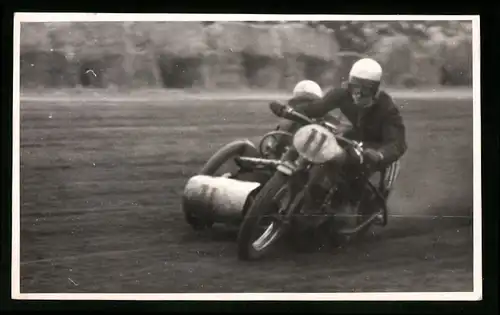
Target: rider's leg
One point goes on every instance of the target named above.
(320, 178)
(353, 192)
(389, 176)
(350, 193)
(317, 189)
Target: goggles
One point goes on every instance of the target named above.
(362, 88)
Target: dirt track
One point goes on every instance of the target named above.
(101, 185)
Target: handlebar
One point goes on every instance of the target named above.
(285, 111)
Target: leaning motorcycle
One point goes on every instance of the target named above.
(265, 196)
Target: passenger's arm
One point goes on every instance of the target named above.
(321, 107)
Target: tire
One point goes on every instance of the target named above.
(226, 153)
(262, 201)
(216, 161)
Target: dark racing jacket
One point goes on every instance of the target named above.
(380, 126)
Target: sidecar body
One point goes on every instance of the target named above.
(217, 199)
(211, 197)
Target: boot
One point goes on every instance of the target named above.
(380, 217)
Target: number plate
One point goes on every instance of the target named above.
(316, 144)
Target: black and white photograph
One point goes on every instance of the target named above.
(246, 157)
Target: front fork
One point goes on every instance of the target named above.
(299, 171)
(292, 166)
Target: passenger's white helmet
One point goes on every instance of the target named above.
(364, 81)
(307, 87)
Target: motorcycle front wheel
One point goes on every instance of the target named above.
(273, 197)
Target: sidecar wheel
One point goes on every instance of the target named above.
(226, 154)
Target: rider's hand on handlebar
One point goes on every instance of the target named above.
(278, 108)
(372, 156)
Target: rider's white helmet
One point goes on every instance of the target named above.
(364, 81)
(307, 87)
(366, 69)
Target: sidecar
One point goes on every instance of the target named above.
(224, 187)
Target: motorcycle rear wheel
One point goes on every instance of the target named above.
(247, 248)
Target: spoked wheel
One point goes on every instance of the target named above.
(221, 164)
(263, 224)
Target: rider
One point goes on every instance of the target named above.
(376, 121)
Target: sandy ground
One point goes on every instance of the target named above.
(101, 188)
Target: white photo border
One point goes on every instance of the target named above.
(420, 296)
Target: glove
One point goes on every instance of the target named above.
(277, 108)
(373, 156)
